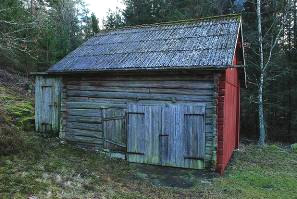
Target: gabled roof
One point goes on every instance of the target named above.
(201, 43)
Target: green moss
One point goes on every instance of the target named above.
(7, 98)
(16, 110)
(20, 109)
(22, 114)
(6, 95)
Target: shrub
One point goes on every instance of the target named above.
(294, 147)
(10, 140)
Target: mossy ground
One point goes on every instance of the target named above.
(49, 168)
(16, 109)
(16, 115)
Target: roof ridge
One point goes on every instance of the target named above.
(200, 19)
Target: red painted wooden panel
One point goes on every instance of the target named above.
(228, 116)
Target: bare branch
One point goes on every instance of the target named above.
(274, 43)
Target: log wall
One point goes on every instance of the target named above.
(93, 104)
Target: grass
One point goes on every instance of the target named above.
(58, 170)
(16, 109)
(268, 172)
(50, 168)
(16, 114)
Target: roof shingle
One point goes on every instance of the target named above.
(208, 43)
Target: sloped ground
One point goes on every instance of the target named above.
(48, 168)
(16, 115)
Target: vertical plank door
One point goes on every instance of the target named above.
(47, 104)
(192, 131)
(47, 108)
(144, 127)
(167, 138)
(182, 139)
(114, 129)
(169, 135)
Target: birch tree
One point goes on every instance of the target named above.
(262, 130)
(265, 57)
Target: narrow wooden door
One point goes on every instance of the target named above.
(114, 129)
(47, 104)
(144, 128)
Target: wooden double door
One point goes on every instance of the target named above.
(169, 135)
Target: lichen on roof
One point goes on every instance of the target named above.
(201, 43)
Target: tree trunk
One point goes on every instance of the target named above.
(262, 131)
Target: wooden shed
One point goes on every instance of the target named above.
(164, 94)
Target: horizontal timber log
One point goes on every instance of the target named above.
(85, 112)
(120, 102)
(84, 126)
(148, 84)
(105, 105)
(84, 133)
(147, 77)
(93, 105)
(138, 96)
(83, 119)
(207, 92)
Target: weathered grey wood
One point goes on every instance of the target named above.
(153, 125)
(109, 89)
(47, 104)
(85, 112)
(85, 126)
(114, 128)
(168, 138)
(84, 133)
(144, 128)
(138, 96)
(197, 92)
(181, 141)
(148, 84)
(203, 75)
(93, 105)
(62, 111)
(120, 102)
(83, 119)
(87, 98)
(136, 128)
(194, 137)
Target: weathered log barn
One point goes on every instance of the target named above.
(164, 94)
